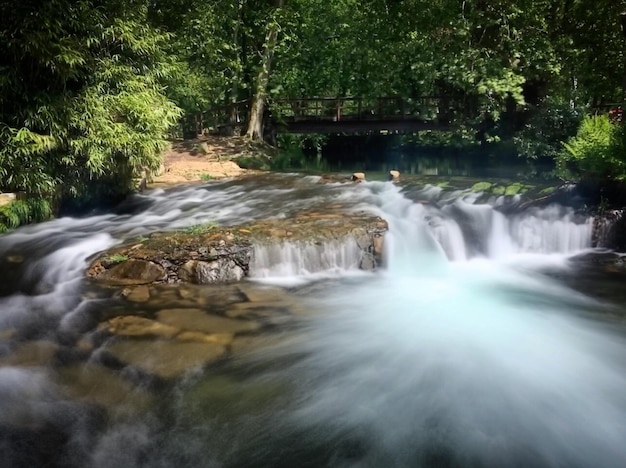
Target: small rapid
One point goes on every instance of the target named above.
(465, 349)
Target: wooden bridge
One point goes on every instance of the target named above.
(333, 115)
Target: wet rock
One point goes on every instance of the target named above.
(134, 271)
(394, 175)
(165, 359)
(223, 270)
(223, 339)
(99, 385)
(211, 296)
(358, 177)
(367, 262)
(138, 294)
(377, 244)
(199, 320)
(32, 354)
(224, 254)
(255, 293)
(132, 325)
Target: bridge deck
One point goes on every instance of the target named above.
(335, 115)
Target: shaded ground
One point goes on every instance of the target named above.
(207, 157)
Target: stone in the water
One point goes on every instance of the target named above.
(394, 175)
(32, 354)
(101, 386)
(201, 321)
(134, 272)
(137, 294)
(378, 242)
(166, 359)
(222, 270)
(132, 325)
(224, 339)
(367, 262)
(358, 176)
(255, 293)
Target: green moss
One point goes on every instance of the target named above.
(547, 191)
(482, 186)
(498, 190)
(116, 258)
(204, 228)
(513, 189)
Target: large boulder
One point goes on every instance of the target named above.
(134, 271)
(208, 254)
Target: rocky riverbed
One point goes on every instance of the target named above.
(209, 253)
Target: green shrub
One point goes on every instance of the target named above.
(116, 258)
(20, 212)
(204, 228)
(596, 152)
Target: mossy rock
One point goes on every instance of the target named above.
(547, 191)
(482, 186)
(498, 190)
(513, 189)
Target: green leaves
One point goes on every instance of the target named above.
(84, 99)
(596, 152)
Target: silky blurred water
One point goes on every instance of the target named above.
(465, 350)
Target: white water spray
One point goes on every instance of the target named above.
(459, 364)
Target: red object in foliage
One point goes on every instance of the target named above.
(616, 114)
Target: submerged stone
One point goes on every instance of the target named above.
(132, 325)
(200, 321)
(133, 271)
(165, 358)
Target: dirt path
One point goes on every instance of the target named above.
(203, 158)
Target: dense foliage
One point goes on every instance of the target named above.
(598, 151)
(82, 103)
(90, 88)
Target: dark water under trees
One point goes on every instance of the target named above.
(482, 342)
(410, 154)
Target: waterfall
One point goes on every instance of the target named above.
(460, 352)
(289, 260)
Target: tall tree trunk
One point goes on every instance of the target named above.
(234, 91)
(257, 109)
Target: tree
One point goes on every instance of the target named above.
(257, 108)
(82, 104)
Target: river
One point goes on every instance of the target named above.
(469, 348)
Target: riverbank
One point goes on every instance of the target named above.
(209, 157)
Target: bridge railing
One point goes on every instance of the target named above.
(354, 108)
(232, 118)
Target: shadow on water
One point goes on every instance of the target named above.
(410, 154)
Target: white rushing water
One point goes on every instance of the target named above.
(460, 352)
(467, 364)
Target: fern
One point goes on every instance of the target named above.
(597, 151)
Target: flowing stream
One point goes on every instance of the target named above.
(467, 349)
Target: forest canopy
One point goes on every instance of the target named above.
(91, 89)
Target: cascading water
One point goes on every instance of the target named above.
(461, 364)
(460, 352)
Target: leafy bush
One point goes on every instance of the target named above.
(596, 152)
(20, 212)
(548, 126)
(83, 97)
